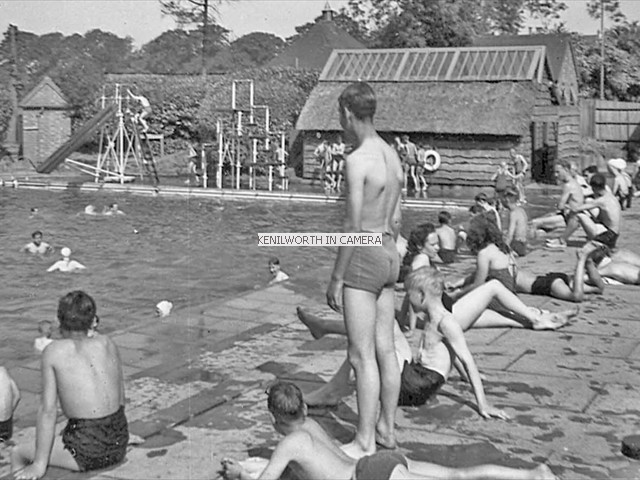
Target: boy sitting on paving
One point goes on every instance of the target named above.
(447, 238)
(84, 373)
(311, 453)
(604, 231)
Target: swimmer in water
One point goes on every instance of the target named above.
(112, 210)
(90, 210)
(41, 342)
(66, 265)
(276, 274)
(37, 246)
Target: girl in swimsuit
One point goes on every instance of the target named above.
(422, 249)
(494, 259)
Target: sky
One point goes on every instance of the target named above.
(143, 21)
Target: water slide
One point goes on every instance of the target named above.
(77, 140)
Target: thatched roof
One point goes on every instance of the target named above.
(557, 46)
(312, 50)
(478, 108)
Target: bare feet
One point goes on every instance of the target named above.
(355, 450)
(319, 326)
(328, 396)
(553, 320)
(542, 472)
(387, 442)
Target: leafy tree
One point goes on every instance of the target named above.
(439, 23)
(344, 20)
(111, 52)
(622, 60)
(194, 12)
(259, 47)
(611, 10)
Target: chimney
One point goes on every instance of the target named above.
(327, 13)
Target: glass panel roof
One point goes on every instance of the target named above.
(435, 64)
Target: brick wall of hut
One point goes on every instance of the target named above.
(43, 131)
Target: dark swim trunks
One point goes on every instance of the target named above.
(542, 284)
(373, 268)
(6, 429)
(608, 238)
(378, 466)
(97, 442)
(418, 384)
(447, 256)
(519, 247)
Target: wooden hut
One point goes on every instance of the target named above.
(311, 50)
(45, 123)
(472, 104)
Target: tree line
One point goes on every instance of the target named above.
(79, 63)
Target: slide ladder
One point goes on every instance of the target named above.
(148, 159)
(77, 140)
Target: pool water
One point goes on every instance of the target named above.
(186, 251)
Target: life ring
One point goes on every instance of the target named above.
(432, 167)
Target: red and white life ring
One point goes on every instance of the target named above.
(432, 166)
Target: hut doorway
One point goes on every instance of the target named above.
(544, 153)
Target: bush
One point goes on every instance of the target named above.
(284, 90)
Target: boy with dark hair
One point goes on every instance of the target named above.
(311, 453)
(9, 398)
(277, 275)
(604, 231)
(37, 245)
(364, 277)
(447, 238)
(84, 373)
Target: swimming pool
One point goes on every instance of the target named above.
(186, 251)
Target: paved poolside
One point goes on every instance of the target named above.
(195, 387)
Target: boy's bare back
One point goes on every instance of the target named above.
(377, 167)
(88, 375)
(316, 454)
(447, 237)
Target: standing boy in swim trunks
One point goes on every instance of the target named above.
(518, 220)
(364, 277)
(312, 454)
(572, 196)
(605, 230)
(84, 373)
(9, 398)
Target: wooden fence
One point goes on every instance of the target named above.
(616, 123)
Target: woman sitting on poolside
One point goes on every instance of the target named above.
(495, 261)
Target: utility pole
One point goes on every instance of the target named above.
(601, 49)
(205, 33)
(12, 134)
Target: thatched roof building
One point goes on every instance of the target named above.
(311, 51)
(473, 104)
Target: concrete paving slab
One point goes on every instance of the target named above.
(618, 401)
(512, 388)
(559, 343)
(587, 367)
(604, 326)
